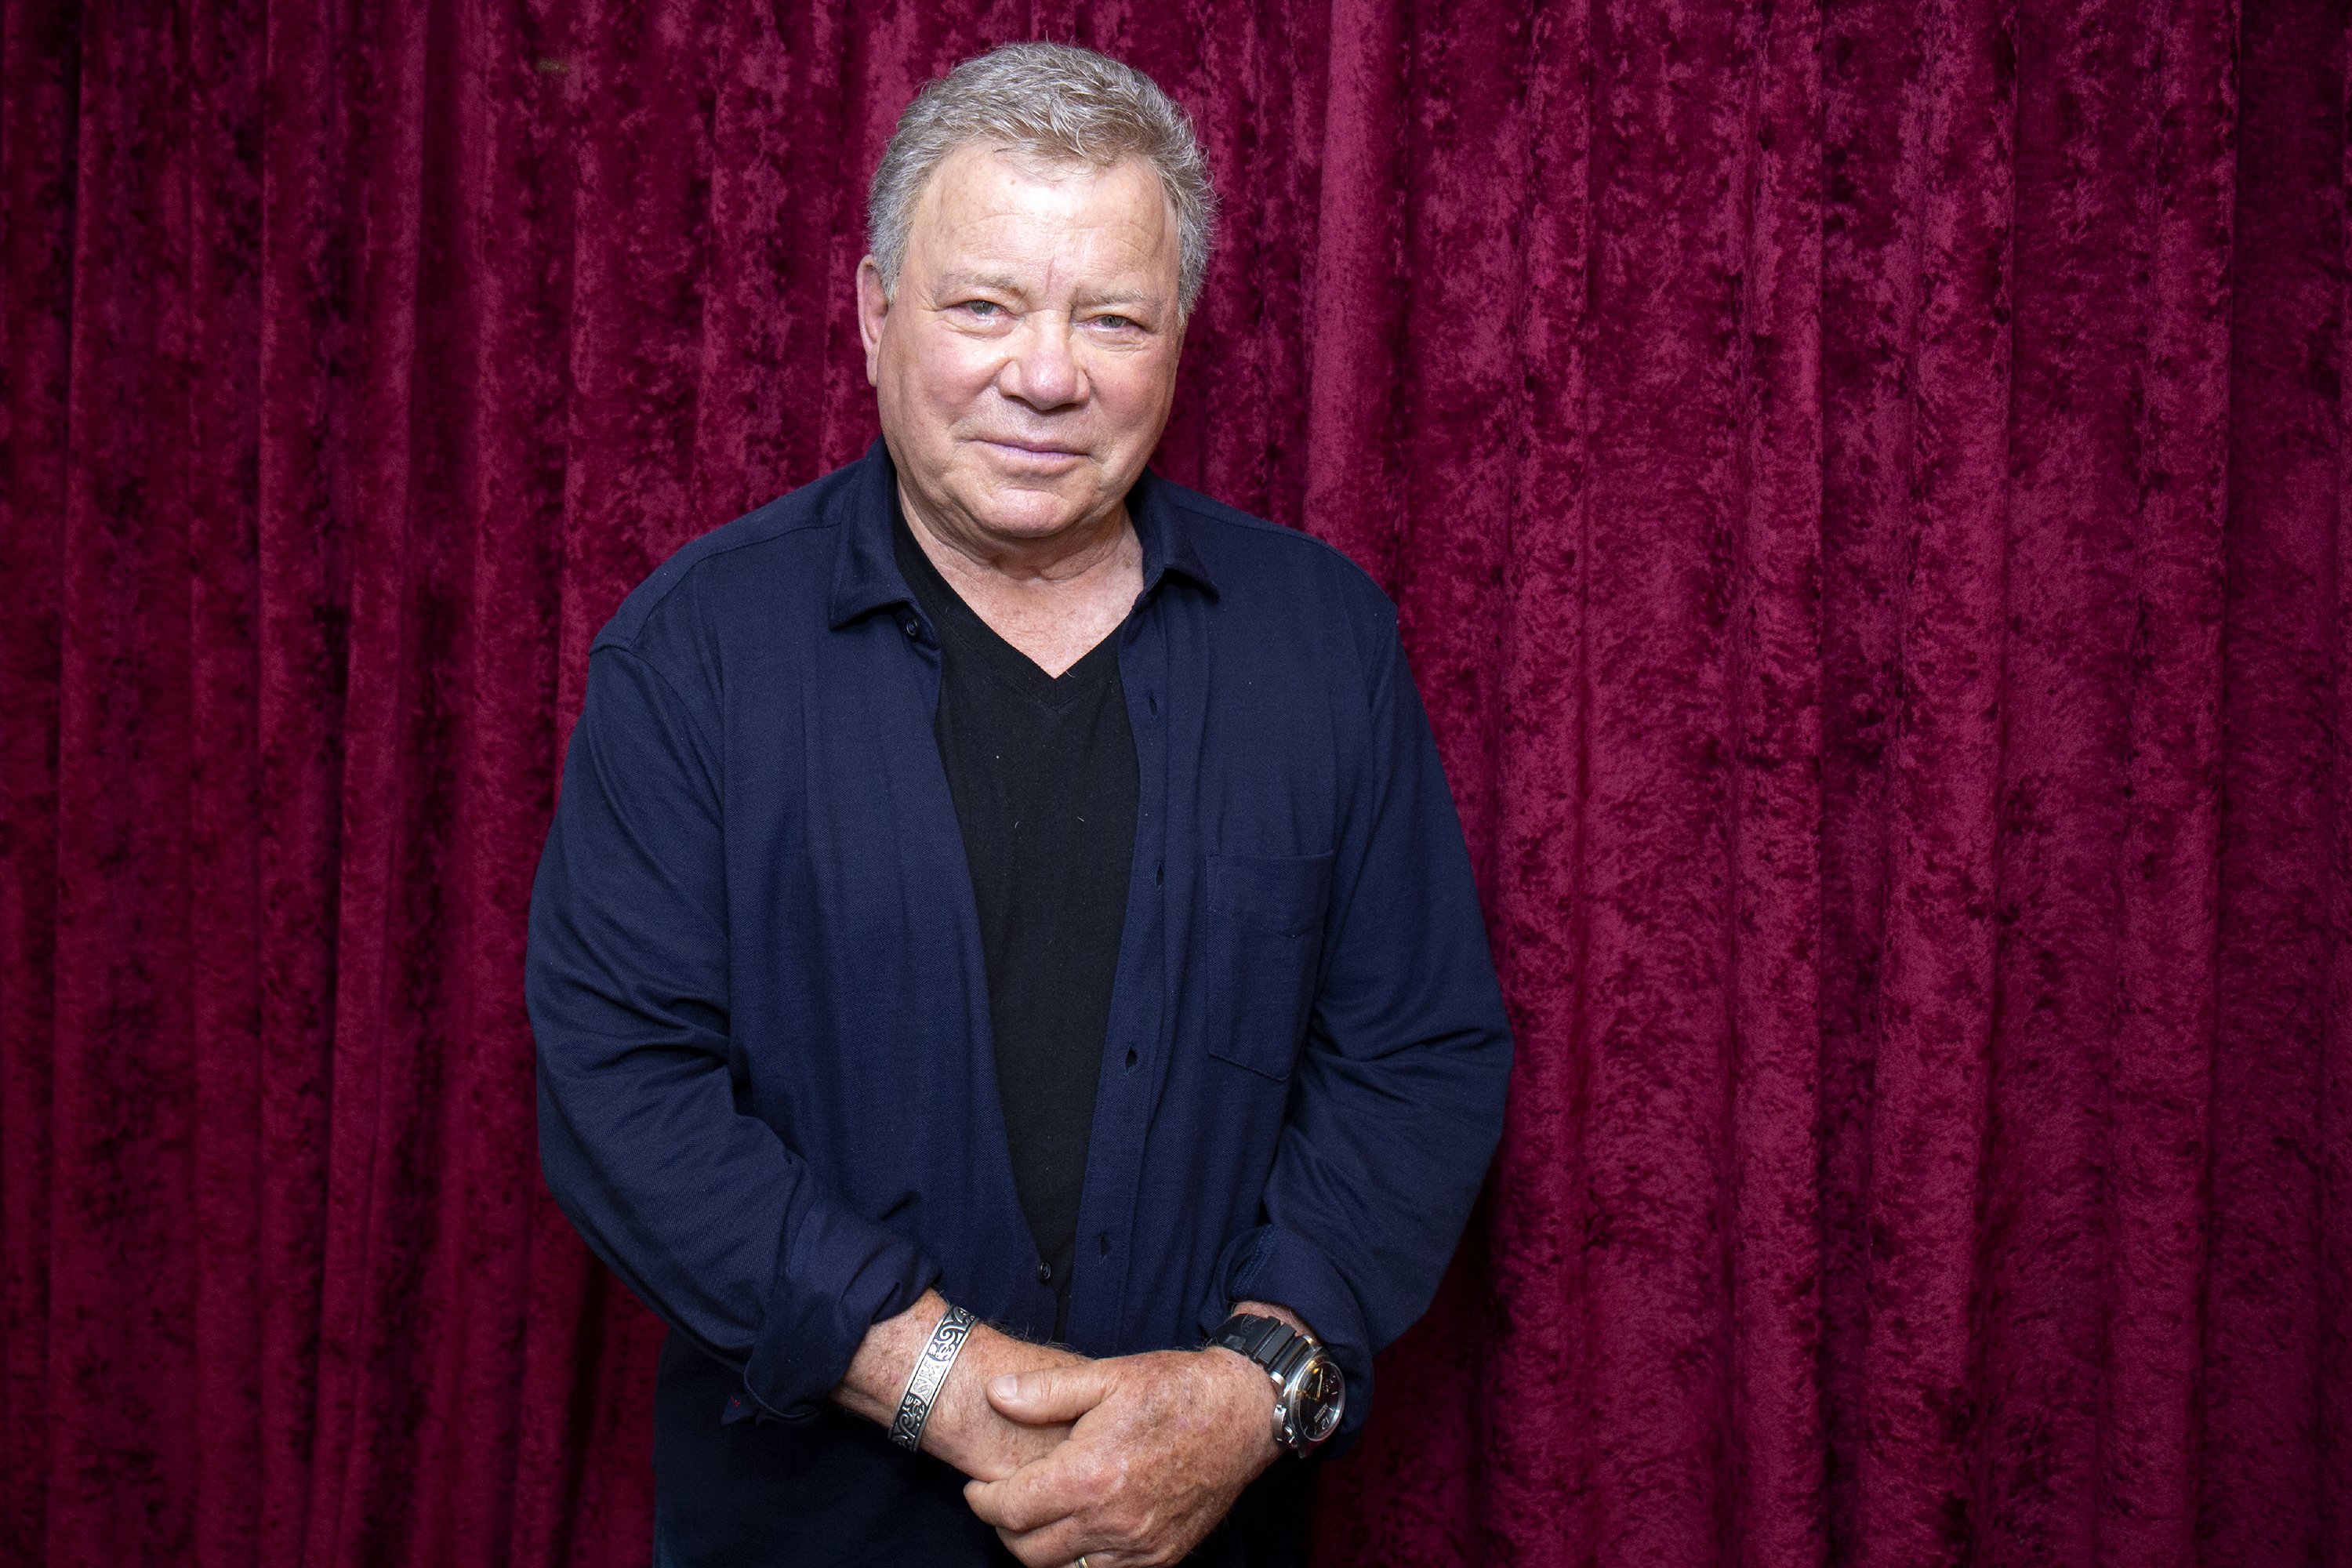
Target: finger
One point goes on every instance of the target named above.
(1050, 1393)
(1058, 1546)
(1031, 1497)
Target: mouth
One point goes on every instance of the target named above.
(1041, 452)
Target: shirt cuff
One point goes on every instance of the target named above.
(809, 1336)
(1271, 1264)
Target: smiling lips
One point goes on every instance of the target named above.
(1039, 450)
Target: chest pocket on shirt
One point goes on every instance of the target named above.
(1262, 940)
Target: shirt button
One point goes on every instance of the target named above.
(914, 627)
(1044, 1274)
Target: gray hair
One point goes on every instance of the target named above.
(1057, 104)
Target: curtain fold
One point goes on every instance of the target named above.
(1864, 482)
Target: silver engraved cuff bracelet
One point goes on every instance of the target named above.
(930, 1375)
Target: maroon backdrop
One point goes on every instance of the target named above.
(1866, 485)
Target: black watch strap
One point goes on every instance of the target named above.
(1269, 1342)
(1252, 1333)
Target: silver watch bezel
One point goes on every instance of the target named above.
(1289, 1375)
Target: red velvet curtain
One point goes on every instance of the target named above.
(1866, 485)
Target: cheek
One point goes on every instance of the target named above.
(955, 370)
(1134, 391)
(942, 374)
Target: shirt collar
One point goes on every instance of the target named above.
(865, 575)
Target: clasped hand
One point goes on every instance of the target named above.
(1160, 1446)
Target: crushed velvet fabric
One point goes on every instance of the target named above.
(1865, 482)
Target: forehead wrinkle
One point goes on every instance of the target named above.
(1077, 266)
(993, 190)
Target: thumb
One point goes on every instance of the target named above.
(1049, 1394)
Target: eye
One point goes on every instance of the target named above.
(986, 310)
(1116, 323)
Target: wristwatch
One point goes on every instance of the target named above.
(1310, 1395)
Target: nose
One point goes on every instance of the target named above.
(1042, 371)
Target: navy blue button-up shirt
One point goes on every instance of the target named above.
(755, 976)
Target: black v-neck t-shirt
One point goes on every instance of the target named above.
(1043, 773)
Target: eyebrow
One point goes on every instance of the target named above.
(996, 280)
(1002, 283)
(1127, 300)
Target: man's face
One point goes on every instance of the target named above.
(1026, 366)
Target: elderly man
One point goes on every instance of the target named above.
(1008, 985)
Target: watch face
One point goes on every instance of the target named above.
(1322, 1396)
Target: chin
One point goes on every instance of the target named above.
(1020, 512)
(1017, 520)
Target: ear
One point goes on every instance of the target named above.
(873, 306)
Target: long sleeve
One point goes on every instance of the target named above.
(1397, 1102)
(703, 1211)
